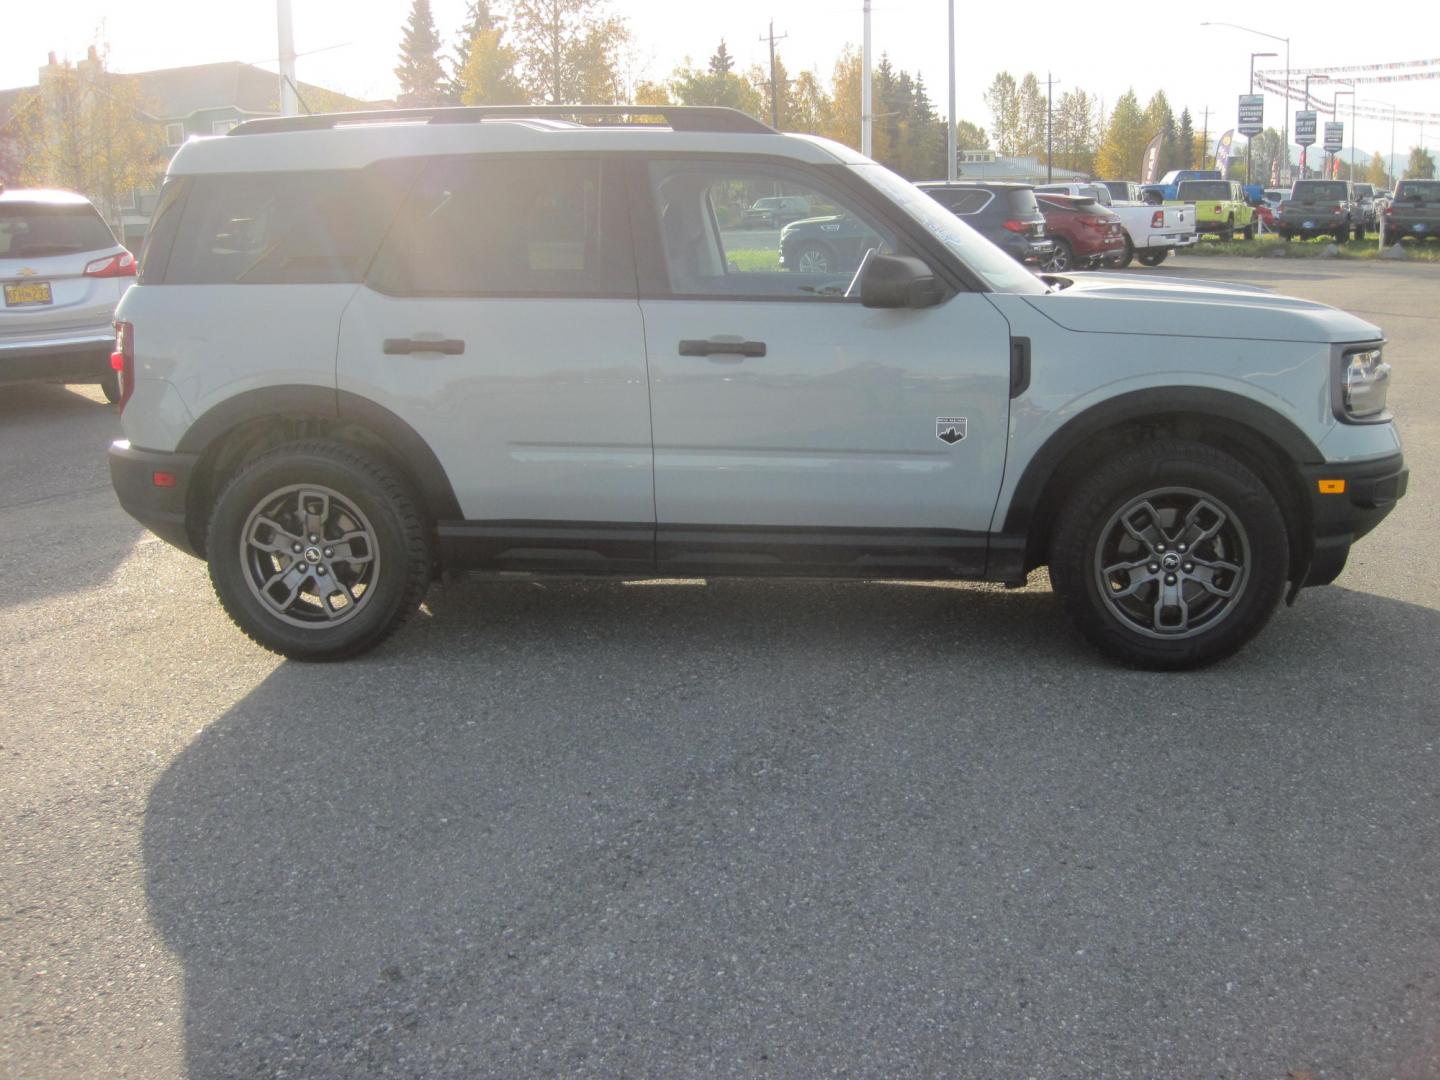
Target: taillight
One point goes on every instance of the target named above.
(1219, 209)
(1098, 222)
(1389, 210)
(122, 360)
(1157, 219)
(122, 265)
(1016, 225)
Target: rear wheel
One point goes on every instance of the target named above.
(1061, 260)
(1249, 232)
(1172, 555)
(1285, 236)
(1152, 257)
(1126, 256)
(1342, 236)
(1228, 232)
(317, 551)
(814, 258)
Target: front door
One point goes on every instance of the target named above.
(793, 427)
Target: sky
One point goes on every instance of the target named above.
(351, 45)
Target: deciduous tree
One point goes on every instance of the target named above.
(569, 50)
(1003, 100)
(1421, 165)
(1124, 141)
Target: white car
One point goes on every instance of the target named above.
(62, 273)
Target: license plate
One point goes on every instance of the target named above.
(27, 293)
(1419, 228)
(1309, 224)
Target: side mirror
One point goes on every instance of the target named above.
(898, 281)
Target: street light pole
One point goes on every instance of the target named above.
(1250, 139)
(866, 120)
(951, 166)
(1273, 37)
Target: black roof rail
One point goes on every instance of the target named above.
(710, 118)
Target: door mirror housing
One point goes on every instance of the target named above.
(898, 281)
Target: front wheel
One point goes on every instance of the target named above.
(814, 259)
(1171, 555)
(318, 551)
(1152, 258)
(1062, 258)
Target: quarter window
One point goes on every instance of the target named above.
(516, 227)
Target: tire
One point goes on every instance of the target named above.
(110, 387)
(1285, 236)
(813, 258)
(1343, 236)
(355, 503)
(1359, 232)
(1127, 256)
(1062, 258)
(1152, 257)
(1248, 233)
(1389, 237)
(1228, 232)
(1159, 486)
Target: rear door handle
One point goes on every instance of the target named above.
(395, 346)
(721, 347)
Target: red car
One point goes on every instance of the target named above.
(1085, 233)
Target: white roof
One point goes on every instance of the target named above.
(53, 196)
(352, 146)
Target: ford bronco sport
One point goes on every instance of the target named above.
(366, 348)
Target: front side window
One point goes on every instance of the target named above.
(514, 226)
(711, 247)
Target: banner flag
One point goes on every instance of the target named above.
(1222, 153)
(1150, 167)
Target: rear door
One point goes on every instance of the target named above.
(500, 321)
(794, 428)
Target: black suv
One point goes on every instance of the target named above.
(1005, 214)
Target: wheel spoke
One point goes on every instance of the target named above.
(315, 511)
(293, 577)
(343, 549)
(1137, 573)
(1150, 534)
(1207, 570)
(329, 586)
(1196, 530)
(1171, 598)
(283, 545)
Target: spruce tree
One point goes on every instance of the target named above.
(422, 79)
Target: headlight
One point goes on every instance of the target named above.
(1364, 379)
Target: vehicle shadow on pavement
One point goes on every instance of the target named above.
(56, 502)
(784, 829)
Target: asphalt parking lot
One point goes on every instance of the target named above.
(735, 829)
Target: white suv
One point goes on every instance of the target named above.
(367, 347)
(61, 273)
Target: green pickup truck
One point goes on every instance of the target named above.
(1414, 212)
(1220, 207)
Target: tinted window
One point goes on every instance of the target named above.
(1422, 190)
(164, 225)
(1205, 189)
(35, 230)
(1320, 191)
(1022, 204)
(509, 226)
(961, 202)
(285, 227)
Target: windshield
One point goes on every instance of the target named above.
(1204, 189)
(34, 230)
(1419, 190)
(998, 270)
(1319, 191)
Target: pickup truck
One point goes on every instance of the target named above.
(1220, 207)
(1317, 207)
(1151, 232)
(1414, 212)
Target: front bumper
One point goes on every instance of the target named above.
(81, 358)
(160, 508)
(1371, 490)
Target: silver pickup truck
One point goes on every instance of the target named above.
(1151, 232)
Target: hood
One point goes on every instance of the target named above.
(1186, 307)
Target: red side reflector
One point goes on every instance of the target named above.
(164, 479)
(117, 361)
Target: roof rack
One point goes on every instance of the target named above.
(710, 118)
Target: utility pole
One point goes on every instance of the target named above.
(866, 119)
(1049, 128)
(1205, 139)
(950, 148)
(285, 27)
(774, 86)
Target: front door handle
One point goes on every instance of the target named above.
(721, 347)
(406, 346)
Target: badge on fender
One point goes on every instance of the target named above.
(950, 429)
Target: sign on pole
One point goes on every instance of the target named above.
(1304, 129)
(1252, 114)
(1334, 136)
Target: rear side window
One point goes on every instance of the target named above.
(1022, 204)
(509, 227)
(33, 230)
(285, 227)
(962, 202)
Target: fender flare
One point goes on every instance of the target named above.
(410, 451)
(1264, 422)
